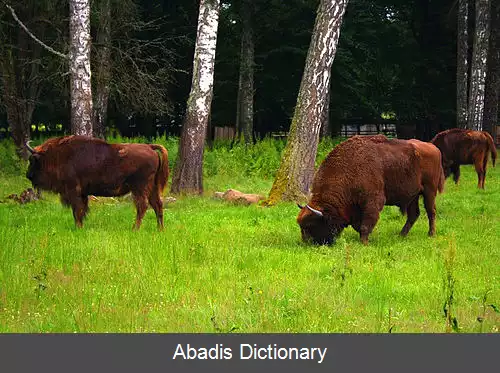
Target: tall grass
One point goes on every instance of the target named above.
(219, 267)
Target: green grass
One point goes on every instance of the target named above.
(218, 267)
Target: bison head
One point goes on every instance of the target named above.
(316, 227)
(34, 167)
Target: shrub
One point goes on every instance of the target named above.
(223, 158)
(9, 161)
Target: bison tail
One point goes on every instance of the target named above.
(492, 148)
(442, 179)
(161, 177)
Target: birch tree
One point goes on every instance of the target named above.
(325, 117)
(462, 62)
(79, 67)
(296, 171)
(188, 172)
(478, 66)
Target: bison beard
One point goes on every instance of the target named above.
(461, 146)
(363, 174)
(78, 166)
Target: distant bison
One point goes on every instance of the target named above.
(363, 174)
(79, 166)
(460, 146)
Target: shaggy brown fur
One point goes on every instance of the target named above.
(363, 174)
(79, 166)
(461, 146)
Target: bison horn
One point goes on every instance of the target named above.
(317, 212)
(32, 151)
(300, 206)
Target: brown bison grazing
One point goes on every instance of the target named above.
(363, 174)
(460, 146)
(79, 166)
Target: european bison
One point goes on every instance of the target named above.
(461, 146)
(79, 166)
(363, 174)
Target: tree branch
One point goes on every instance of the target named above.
(33, 36)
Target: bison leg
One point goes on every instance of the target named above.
(480, 170)
(413, 212)
(141, 206)
(485, 165)
(430, 208)
(80, 207)
(455, 170)
(157, 205)
(369, 218)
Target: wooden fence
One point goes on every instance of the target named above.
(388, 129)
(224, 133)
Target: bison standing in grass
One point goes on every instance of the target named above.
(461, 146)
(363, 174)
(78, 166)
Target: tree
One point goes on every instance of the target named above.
(141, 47)
(102, 67)
(79, 67)
(325, 116)
(478, 66)
(296, 170)
(492, 88)
(20, 82)
(23, 66)
(244, 112)
(188, 172)
(462, 61)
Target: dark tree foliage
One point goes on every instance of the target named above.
(492, 89)
(394, 56)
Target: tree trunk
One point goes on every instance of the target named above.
(102, 68)
(492, 88)
(462, 62)
(244, 112)
(188, 173)
(19, 112)
(478, 67)
(296, 171)
(21, 87)
(325, 117)
(79, 67)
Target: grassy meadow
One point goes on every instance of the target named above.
(220, 267)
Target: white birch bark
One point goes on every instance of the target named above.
(188, 170)
(79, 67)
(478, 66)
(294, 177)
